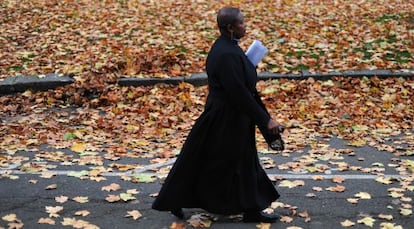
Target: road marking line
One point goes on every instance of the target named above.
(153, 166)
(271, 175)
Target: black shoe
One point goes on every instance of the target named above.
(178, 213)
(259, 217)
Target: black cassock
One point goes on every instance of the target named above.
(218, 168)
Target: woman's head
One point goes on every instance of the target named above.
(231, 23)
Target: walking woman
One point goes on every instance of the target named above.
(218, 169)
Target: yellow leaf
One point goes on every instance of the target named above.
(78, 147)
(406, 212)
(291, 184)
(132, 191)
(347, 223)
(53, 211)
(368, 221)
(352, 200)
(126, 197)
(385, 225)
(10, 217)
(287, 184)
(81, 199)
(363, 195)
(384, 180)
(395, 194)
(357, 142)
(47, 175)
(263, 226)
(277, 204)
(51, 187)
(61, 199)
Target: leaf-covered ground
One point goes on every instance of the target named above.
(98, 121)
(96, 38)
(127, 128)
(360, 110)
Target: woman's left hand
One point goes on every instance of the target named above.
(275, 128)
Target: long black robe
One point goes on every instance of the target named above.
(218, 168)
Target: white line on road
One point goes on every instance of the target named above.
(12, 170)
(271, 175)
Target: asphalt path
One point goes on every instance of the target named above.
(26, 194)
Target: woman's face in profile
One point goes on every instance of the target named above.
(239, 27)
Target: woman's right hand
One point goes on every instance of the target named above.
(274, 127)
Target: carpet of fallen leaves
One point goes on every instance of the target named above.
(131, 119)
(152, 122)
(98, 41)
(94, 38)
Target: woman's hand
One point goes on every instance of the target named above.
(275, 128)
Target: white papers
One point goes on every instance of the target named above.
(256, 52)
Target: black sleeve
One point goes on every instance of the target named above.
(231, 77)
(263, 129)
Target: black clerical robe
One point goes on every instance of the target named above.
(218, 168)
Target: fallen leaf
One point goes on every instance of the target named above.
(363, 195)
(177, 225)
(337, 188)
(317, 189)
(51, 187)
(33, 181)
(111, 187)
(385, 225)
(263, 226)
(53, 211)
(75, 223)
(113, 198)
(352, 200)
(291, 184)
(368, 221)
(286, 219)
(277, 204)
(132, 191)
(81, 199)
(126, 197)
(338, 179)
(82, 213)
(406, 212)
(384, 180)
(78, 147)
(61, 199)
(47, 175)
(347, 223)
(144, 178)
(135, 214)
(46, 221)
(10, 217)
(317, 177)
(387, 217)
(199, 221)
(305, 215)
